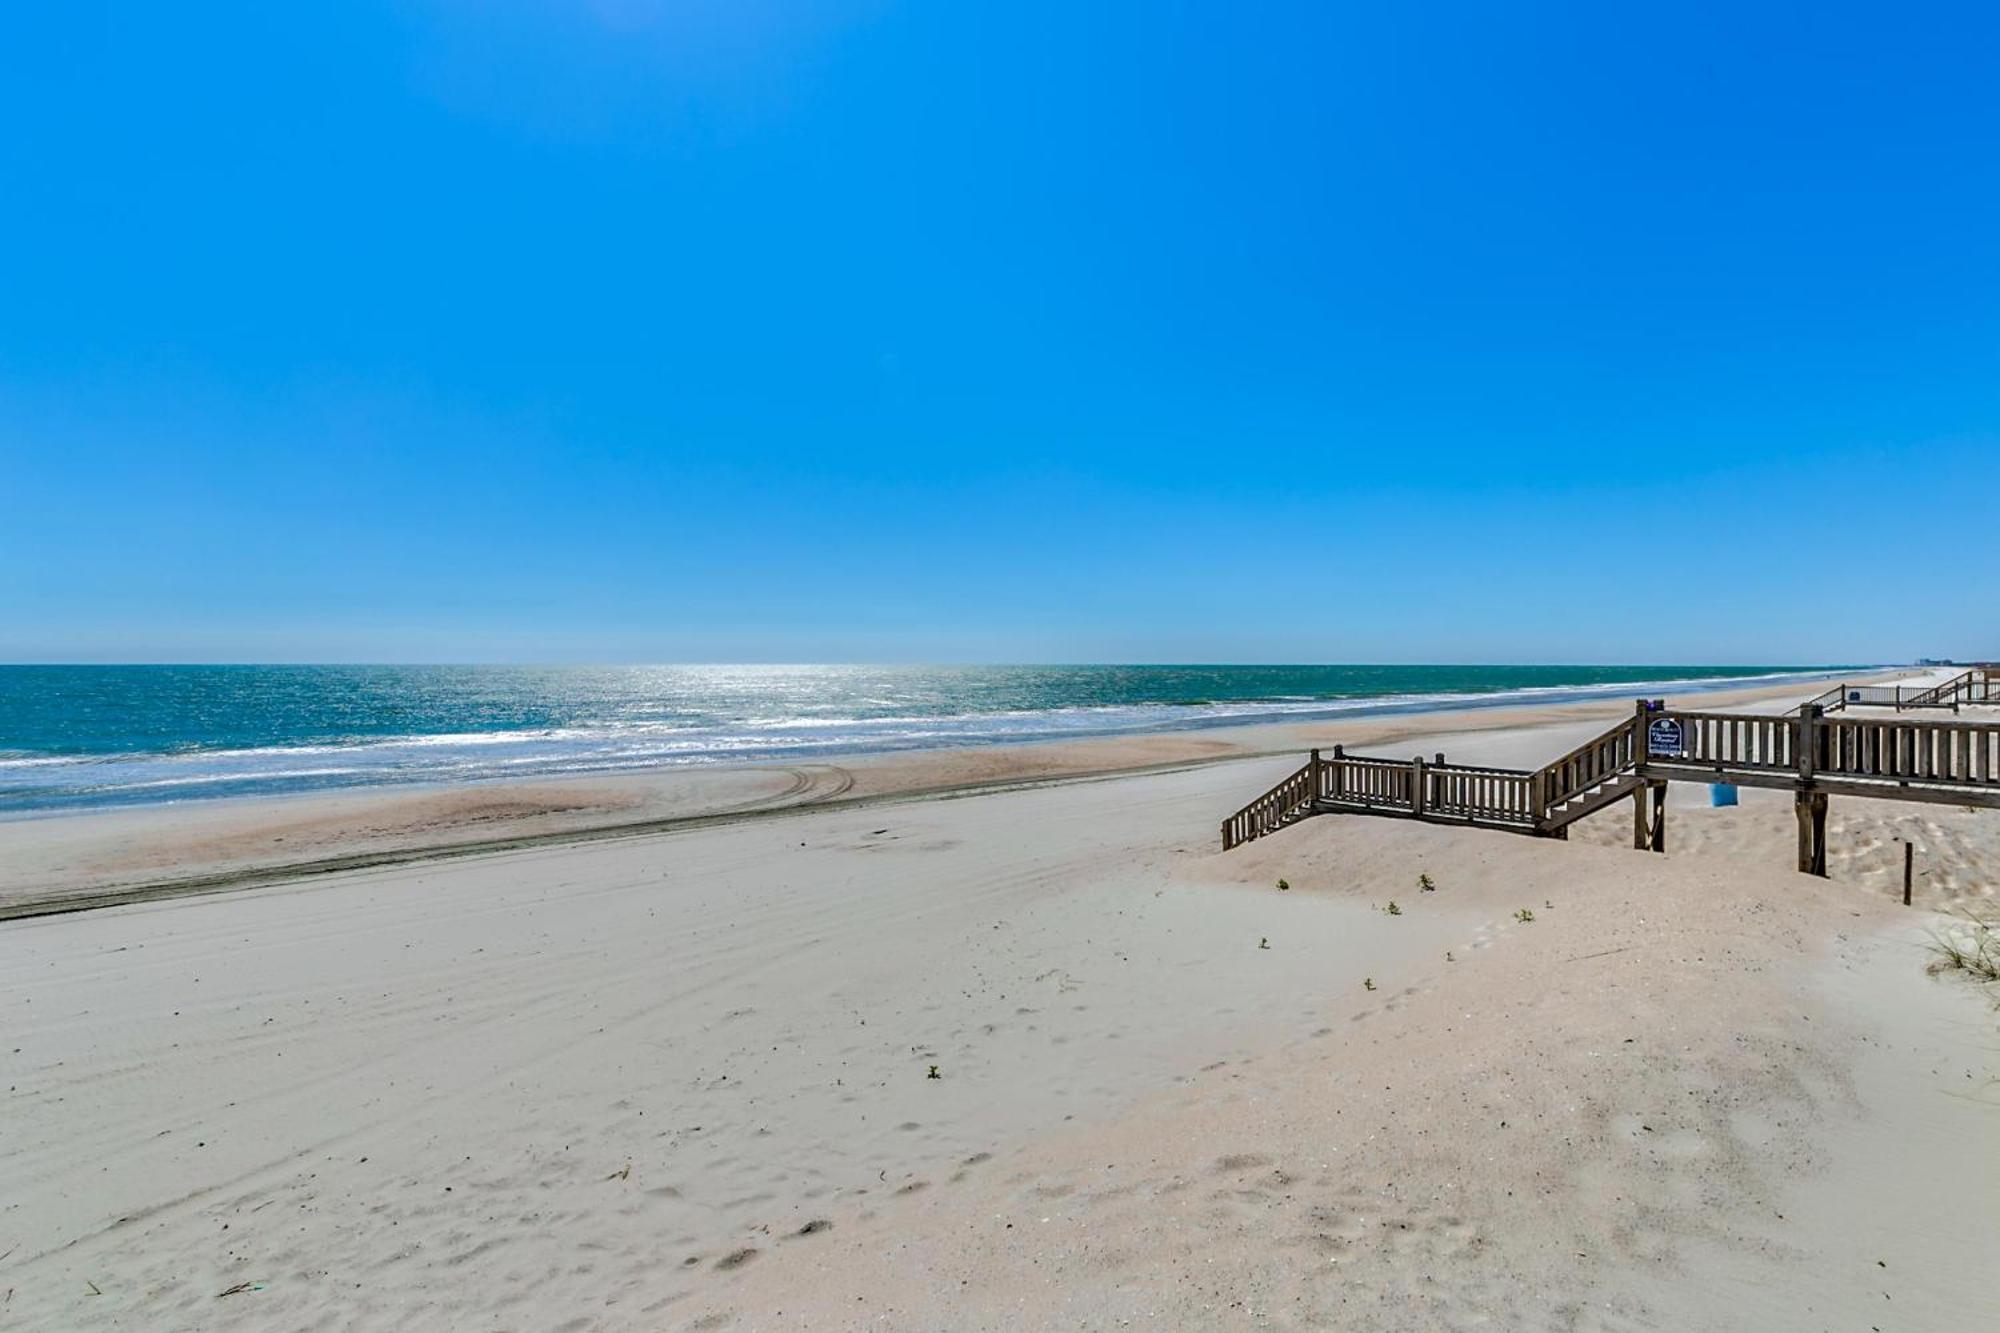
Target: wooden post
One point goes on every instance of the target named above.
(1649, 817)
(1909, 868)
(1417, 785)
(1809, 717)
(1339, 771)
(1802, 809)
(1639, 736)
(1819, 834)
(1810, 808)
(1312, 781)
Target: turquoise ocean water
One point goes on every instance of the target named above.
(82, 736)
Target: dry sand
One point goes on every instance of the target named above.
(681, 1079)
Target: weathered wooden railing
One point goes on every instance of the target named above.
(1944, 694)
(1736, 740)
(1503, 797)
(1981, 685)
(1482, 795)
(1382, 784)
(1290, 800)
(1808, 752)
(1867, 752)
(1897, 697)
(1589, 765)
(1929, 752)
(1815, 757)
(1430, 788)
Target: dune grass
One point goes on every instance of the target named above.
(1969, 943)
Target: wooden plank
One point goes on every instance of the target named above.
(1881, 789)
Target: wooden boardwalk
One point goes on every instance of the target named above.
(1978, 685)
(1817, 756)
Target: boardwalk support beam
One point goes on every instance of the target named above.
(1649, 817)
(1811, 810)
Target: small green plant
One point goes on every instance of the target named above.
(1424, 883)
(934, 1073)
(1970, 944)
(1392, 909)
(1264, 942)
(1368, 983)
(1284, 886)
(1524, 916)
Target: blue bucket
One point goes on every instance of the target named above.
(1722, 793)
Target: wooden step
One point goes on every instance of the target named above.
(1590, 802)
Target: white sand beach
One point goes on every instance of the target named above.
(994, 1039)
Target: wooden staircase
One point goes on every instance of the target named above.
(1593, 775)
(1899, 758)
(1978, 685)
(1615, 788)
(1545, 801)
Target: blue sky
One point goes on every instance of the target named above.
(738, 330)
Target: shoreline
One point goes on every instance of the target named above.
(235, 844)
(1178, 718)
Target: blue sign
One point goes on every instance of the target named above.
(1664, 737)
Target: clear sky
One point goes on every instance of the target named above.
(744, 330)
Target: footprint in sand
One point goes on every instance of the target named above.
(1236, 1163)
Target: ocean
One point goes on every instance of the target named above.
(75, 737)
